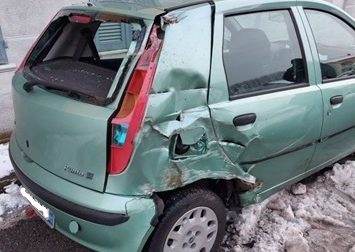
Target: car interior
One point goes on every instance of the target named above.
(254, 63)
(68, 55)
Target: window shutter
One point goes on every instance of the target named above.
(113, 36)
(3, 56)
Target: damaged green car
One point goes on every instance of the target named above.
(138, 123)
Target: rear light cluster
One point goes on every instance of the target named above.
(81, 19)
(128, 120)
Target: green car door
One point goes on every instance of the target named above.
(266, 109)
(334, 55)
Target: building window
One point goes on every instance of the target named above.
(113, 36)
(3, 56)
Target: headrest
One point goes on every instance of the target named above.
(250, 39)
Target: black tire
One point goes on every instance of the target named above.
(177, 206)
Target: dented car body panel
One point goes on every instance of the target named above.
(191, 127)
(247, 154)
(279, 145)
(178, 106)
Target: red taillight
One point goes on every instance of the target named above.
(81, 19)
(128, 120)
(23, 62)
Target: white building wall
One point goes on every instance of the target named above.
(21, 22)
(347, 5)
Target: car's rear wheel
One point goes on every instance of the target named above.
(194, 221)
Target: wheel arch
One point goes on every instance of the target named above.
(227, 190)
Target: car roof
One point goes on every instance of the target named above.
(149, 9)
(138, 5)
(163, 5)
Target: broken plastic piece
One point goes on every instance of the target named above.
(120, 134)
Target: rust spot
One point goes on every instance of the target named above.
(173, 177)
(244, 186)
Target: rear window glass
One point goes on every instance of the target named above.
(80, 55)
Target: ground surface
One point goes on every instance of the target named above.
(34, 236)
(316, 215)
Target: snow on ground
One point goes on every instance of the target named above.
(313, 217)
(316, 216)
(12, 206)
(12, 203)
(5, 163)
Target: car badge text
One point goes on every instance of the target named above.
(88, 175)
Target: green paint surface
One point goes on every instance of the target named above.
(188, 108)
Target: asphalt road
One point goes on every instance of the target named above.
(35, 236)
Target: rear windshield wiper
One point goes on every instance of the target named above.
(28, 87)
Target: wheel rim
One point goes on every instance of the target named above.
(195, 231)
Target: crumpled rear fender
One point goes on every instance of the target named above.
(177, 144)
(156, 166)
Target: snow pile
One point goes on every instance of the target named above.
(317, 216)
(12, 205)
(5, 163)
(344, 178)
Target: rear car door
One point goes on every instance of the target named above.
(266, 110)
(334, 39)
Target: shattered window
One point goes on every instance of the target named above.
(80, 55)
(262, 53)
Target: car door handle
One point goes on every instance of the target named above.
(335, 100)
(243, 120)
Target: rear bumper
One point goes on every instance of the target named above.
(107, 222)
(88, 214)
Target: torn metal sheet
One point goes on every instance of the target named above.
(232, 150)
(160, 168)
(185, 126)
